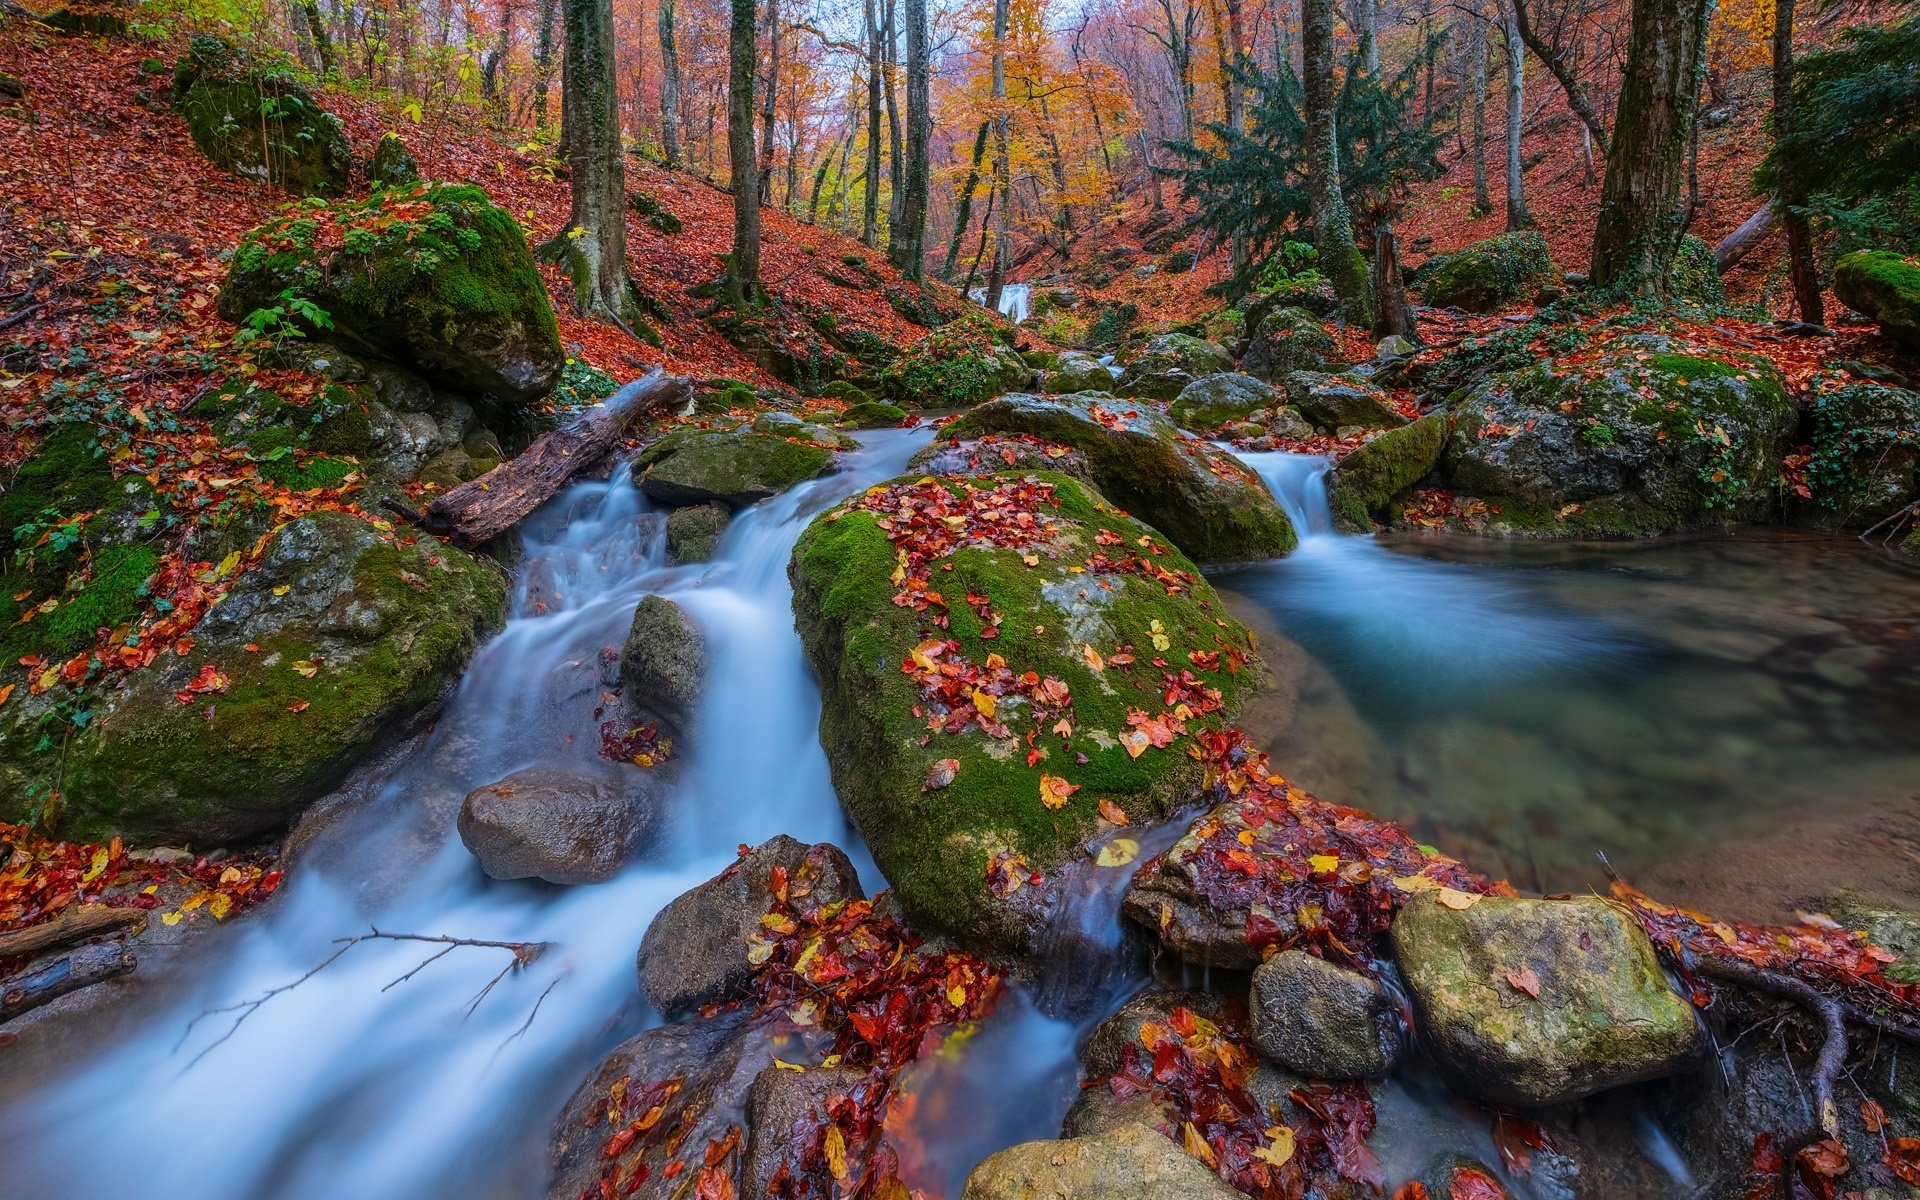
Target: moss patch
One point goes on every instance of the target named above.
(1370, 479)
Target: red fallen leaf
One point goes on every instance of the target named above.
(208, 680)
(298, 706)
(1872, 1115)
(1412, 1189)
(1515, 1137)
(1112, 813)
(941, 774)
(1825, 1157)
(1903, 1156)
(1524, 980)
(1467, 1183)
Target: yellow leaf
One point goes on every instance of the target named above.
(1415, 883)
(1032, 560)
(1055, 790)
(956, 995)
(899, 575)
(283, 589)
(220, 904)
(1323, 863)
(170, 919)
(1159, 634)
(307, 668)
(96, 866)
(784, 1065)
(225, 568)
(1279, 1147)
(759, 950)
(1136, 742)
(1093, 658)
(836, 1148)
(984, 703)
(1457, 899)
(1197, 1146)
(1118, 852)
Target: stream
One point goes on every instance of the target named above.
(1522, 705)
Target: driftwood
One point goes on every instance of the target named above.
(73, 925)
(475, 513)
(1754, 230)
(83, 968)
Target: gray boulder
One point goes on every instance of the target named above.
(734, 469)
(1129, 1162)
(784, 1110)
(1541, 1002)
(1215, 400)
(1169, 363)
(1077, 371)
(693, 533)
(664, 661)
(1324, 1021)
(1335, 402)
(1288, 340)
(1369, 480)
(563, 825)
(696, 950)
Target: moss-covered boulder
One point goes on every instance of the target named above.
(1694, 276)
(1170, 362)
(734, 468)
(959, 364)
(392, 163)
(979, 718)
(693, 532)
(1208, 503)
(1508, 268)
(1215, 400)
(1884, 287)
(336, 640)
(1370, 479)
(1288, 340)
(1313, 294)
(1077, 371)
(436, 278)
(663, 663)
(1866, 455)
(253, 118)
(1641, 434)
(873, 414)
(1540, 1002)
(1336, 402)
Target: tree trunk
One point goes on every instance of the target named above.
(890, 63)
(769, 102)
(1638, 230)
(963, 211)
(870, 210)
(1792, 198)
(1517, 215)
(1752, 231)
(83, 968)
(596, 237)
(743, 177)
(1394, 315)
(1363, 17)
(1562, 72)
(543, 60)
(325, 61)
(669, 87)
(1477, 123)
(1002, 164)
(909, 235)
(1332, 225)
(475, 513)
(490, 89)
(1230, 36)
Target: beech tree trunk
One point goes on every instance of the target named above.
(908, 237)
(1793, 192)
(596, 237)
(963, 213)
(1562, 72)
(543, 60)
(1477, 124)
(1002, 150)
(1752, 231)
(769, 102)
(669, 87)
(1517, 215)
(889, 66)
(1641, 211)
(1340, 259)
(870, 207)
(743, 175)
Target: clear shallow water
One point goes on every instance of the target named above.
(1528, 705)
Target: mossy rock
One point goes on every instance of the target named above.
(86, 22)
(1642, 434)
(957, 365)
(1168, 363)
(1694, 277)
(663, 663)
(1884, 287)
(693, 533)
(1490, 274)
(734, 468)
(1076, 371)
(392, 163)
(385, 629)
(873, 414)
(67, 474)
(1289, 340)
(935, 826)
(654, 213)
(1206, 502)
(1337, 402)
(436, 278)
(1866, 455)
(254, 119)
(1215, 400)
(1369, 480)
(1314, 295)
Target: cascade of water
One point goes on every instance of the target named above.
(1014, 300)
(353, 1084)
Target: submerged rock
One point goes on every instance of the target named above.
(1324, 1021)
(1215, 400)
(1168, 363)
(664, 661)
(1884, 287)
(696, 950)
(1540, 1002)
(693, 532)
(1206, 502)
(734, 469)
(255, 120)
(561, 824)
(1368, 481)
(1129, 1162)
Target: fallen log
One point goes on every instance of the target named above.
(83, 968)
(477, 512)
(74, 925)
(1752, 231)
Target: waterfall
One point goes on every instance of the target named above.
(1014, 300)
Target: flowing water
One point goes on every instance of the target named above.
(1014, 300)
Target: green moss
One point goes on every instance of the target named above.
(110, 595)
(317, 472)
(346, 429)
(1371, 478)
(1885, 286)
(873, 414)
(957, 365)
(67, 474)
(1694, 276)
(1491, 273)
(253, 118)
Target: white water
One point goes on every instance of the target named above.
(338, 1088)
(1014, 299)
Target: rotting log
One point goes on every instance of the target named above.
(83, 968)
(479, 511)
(74, 925)
(1752, 231)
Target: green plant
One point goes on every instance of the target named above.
(1597, 433)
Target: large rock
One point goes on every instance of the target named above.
(1168, 363)
(1315, 296)
(1335, 402)
(1644, 434)
(1369, 480)
(1077, 371)
(1206, 502)
(338, 639)
(1508, 268)
(1129, 1162)
(664, 661)
(1884, 287)
(1215, 400)
(693, 533)
(697, 949)
(1866, 454)
(255, 119)
(563, 825)
(1288, 340)
(959, 364)
(735, 468)
(1324, 1021)
(785, 1109)
(443, 283)
(980, 770)
(1540, 1002)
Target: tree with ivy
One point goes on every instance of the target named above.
(1256, 182)
(595, 246)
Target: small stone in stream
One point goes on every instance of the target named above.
(1130, 1162)
(1324, 1021)
(562, 824)
(696, 951)
(693, 533)
(1541, 1002)
(782, 1106)
(664, 661)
